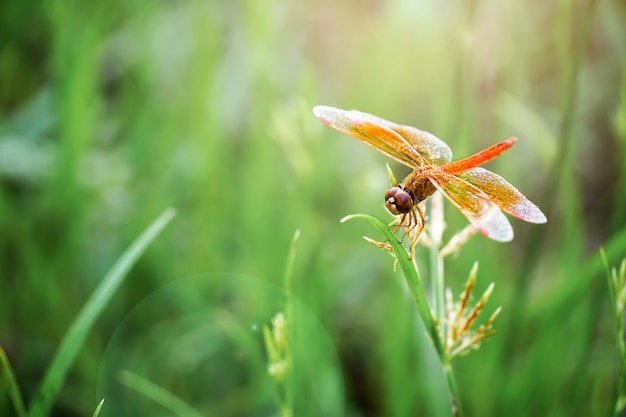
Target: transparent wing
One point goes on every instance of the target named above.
(475, 205)
(504, 195)
(433, 150)
(374, 131)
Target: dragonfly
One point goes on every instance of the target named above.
(478, 193)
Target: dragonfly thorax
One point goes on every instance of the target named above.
(418, 184)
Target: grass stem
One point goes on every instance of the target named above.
(455, 397)
(436, 258)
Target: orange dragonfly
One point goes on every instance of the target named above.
(478, 193)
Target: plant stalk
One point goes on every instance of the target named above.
(455, 397)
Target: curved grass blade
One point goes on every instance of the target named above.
(8, 378)
(412, 278)
(75, 336)
(158, 394)
(98, 408)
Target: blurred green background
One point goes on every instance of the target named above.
(110, 112)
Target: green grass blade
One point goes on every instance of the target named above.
(78, 330)
(98, 408)
(158, 394)
(8, 378)
(412, 278)
(291, 260)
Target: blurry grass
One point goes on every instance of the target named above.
(11, 385)
(616, 279)
(76, 334)
(96, 412)
(280, 340)
(109, 113)
(158, 394)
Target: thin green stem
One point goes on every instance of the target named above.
(438, 284)
(436, 260)
(455, 397)
(287, 407)
(617, 290)
(437, 277)
(620, 403)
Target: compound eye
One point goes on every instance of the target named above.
(398, 201)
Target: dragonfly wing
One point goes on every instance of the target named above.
(475, 205)
(373, 131)
(433, 150)
(504, 195)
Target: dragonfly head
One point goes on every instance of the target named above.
(398, 200)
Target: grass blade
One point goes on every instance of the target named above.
(98, 408)
(159, 395)
(412, 279)
(78, 330)
(414, 283)
(8, 378)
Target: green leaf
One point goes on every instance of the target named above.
(412, 278)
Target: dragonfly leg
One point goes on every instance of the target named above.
(418, 224)
(413, 222)
(400, 223)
